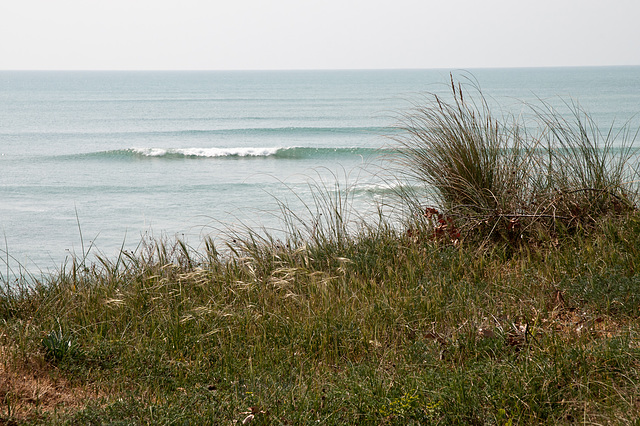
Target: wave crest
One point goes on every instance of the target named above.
(290, 153)
(277, 153)
(204, 152)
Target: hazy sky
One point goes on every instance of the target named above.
(316, 34)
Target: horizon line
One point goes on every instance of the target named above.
(309, 69)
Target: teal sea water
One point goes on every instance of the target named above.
(118, 155)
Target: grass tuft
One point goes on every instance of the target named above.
(497, 180)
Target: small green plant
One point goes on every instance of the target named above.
(59, 345)
(409, 406)
(503, 419)
(401, 406)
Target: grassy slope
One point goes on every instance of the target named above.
(378, 329)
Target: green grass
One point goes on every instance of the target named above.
(336, 324)
(500, 180)
(391, 331)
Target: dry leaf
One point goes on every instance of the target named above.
(486, 333)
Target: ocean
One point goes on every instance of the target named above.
(104, 159)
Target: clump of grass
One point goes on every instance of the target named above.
(464, 152)
(59, 345)
(592, 172)
(498, 179)
(317, 232)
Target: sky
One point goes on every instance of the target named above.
(316, 34)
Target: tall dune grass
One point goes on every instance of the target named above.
(497, 178)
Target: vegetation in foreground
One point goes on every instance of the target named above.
(445, 321)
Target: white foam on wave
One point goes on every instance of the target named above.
(226, 152)
(207, 152)
(150, 152)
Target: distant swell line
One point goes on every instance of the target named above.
(276, 131)
(298, 131)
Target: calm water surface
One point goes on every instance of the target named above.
(117, 155)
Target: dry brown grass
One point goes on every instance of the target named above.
(32, 386)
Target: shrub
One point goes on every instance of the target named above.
(495, 179)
